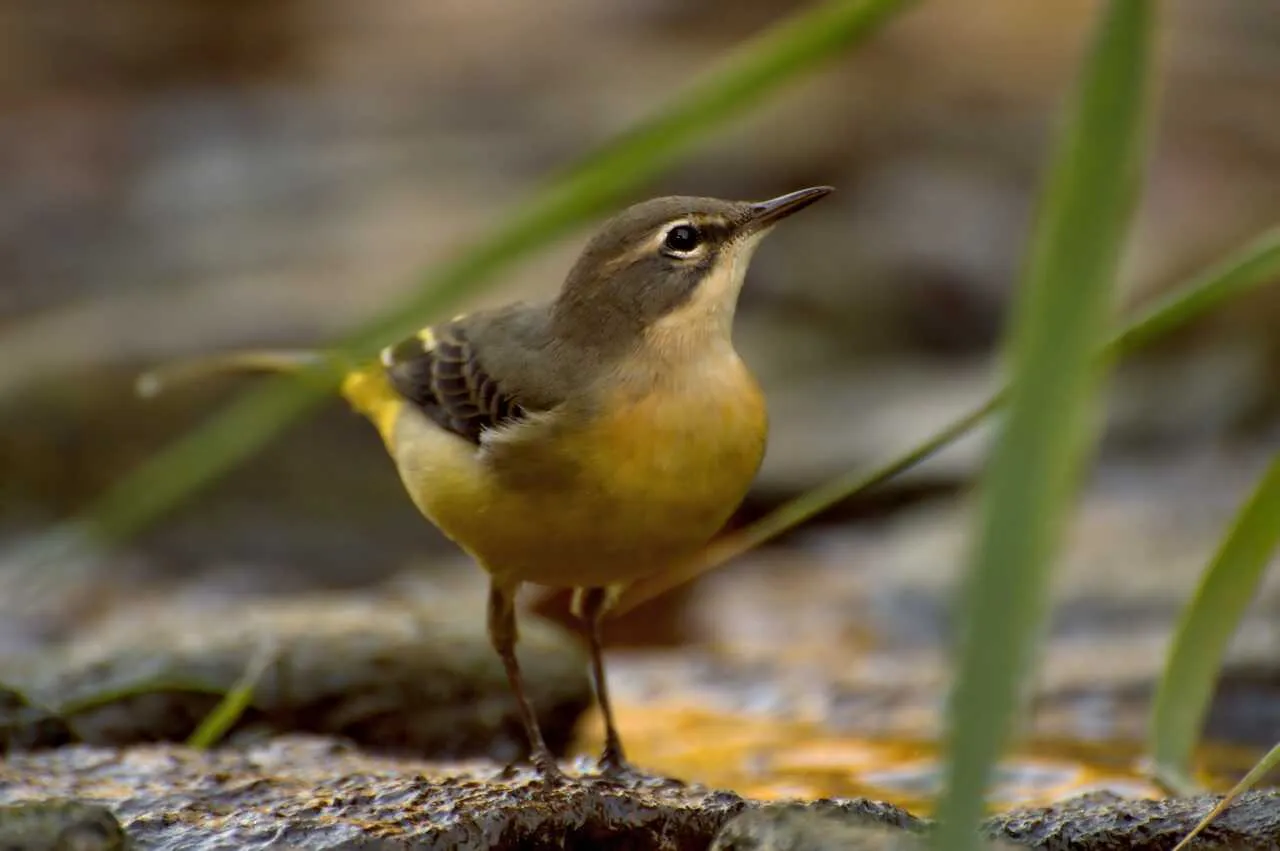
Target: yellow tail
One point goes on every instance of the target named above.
(365, 388)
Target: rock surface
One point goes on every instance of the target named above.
(60, 825)
(387, 673)
(1098, 822)
(1103, 822)
(821, 826)
(313, 793)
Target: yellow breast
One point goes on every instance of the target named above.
(643, 479)
(689, 451)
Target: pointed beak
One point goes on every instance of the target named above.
(766, 214)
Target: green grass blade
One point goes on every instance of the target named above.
(760, 67)
(1205, 629)
(1264, 766)
(232, 707)
(1058, 325)
(1249, 267)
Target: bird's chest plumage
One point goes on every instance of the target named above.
(645, 477)
(686, 448)
(638, 477)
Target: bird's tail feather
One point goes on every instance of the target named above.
(156, 381)
(366, 387)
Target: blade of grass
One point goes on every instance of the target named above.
(1205, 629)
(1264, 766)
(1058, 324)
(1250, 267)
(758, 68)
(234, 703)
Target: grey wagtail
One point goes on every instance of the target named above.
(586, 441)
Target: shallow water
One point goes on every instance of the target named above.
(767, 758)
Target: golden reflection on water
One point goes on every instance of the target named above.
(771, 759)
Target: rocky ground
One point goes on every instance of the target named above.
(317, 794)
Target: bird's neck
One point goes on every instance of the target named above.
(687, 338)
(678, 357)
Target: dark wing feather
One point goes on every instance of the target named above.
(439, 370)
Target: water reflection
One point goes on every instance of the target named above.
(776, 759)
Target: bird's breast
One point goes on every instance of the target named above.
(655, 472)
(642, 476)
(691, 445)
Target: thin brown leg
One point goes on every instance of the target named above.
(502, 632)
(591, 605)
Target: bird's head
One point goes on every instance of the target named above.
(674, 264)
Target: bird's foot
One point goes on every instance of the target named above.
(549, 774)
(615, 769)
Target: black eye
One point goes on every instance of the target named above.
(682, 238)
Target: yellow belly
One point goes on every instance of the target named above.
(604, 501)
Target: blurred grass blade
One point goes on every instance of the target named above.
(214, 726)
(1264, 766)
(1205, 630)
(761, 66)
(1058, 325)
(1250, 267)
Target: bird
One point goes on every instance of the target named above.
(583, 441)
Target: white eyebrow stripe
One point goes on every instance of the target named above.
(653, 244)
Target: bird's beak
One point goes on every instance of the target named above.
(766, 214)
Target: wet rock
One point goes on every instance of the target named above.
(61, 825)
(388, 673)
(818, 826)
(1097, 822)
(315, 794)
(24, 726)
(1101, 822)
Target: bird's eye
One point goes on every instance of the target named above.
(682, 239)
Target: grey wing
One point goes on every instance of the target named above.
(440, 371)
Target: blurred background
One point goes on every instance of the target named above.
(181, 176)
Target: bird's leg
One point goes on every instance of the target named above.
(591, 605)
(502, 632)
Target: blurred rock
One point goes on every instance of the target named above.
(27, 727)
(388, 673)
(1103, 821)
(64, 825)
(825, 826)
(820, 826)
